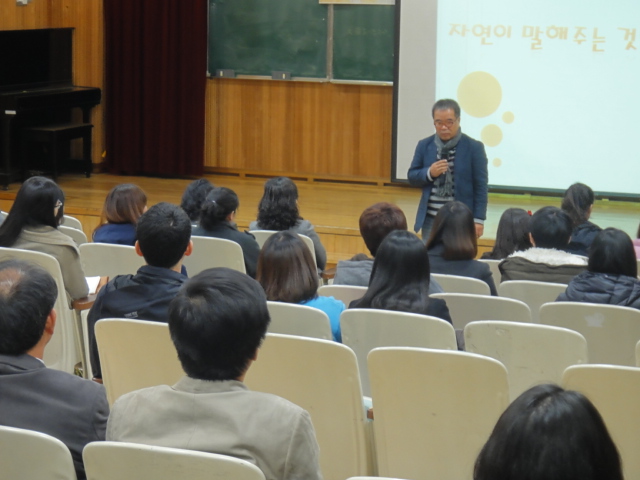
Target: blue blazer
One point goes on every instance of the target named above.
(470, 177)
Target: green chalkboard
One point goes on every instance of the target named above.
(363, 42)
(258, 37)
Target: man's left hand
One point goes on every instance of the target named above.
(479, 229)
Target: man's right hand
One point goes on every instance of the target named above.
(438, 168)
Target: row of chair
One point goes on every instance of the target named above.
(433, 408)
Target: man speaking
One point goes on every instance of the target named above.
(449, 166)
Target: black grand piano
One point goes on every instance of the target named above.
(36, 89)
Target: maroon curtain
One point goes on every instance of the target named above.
(156, 61)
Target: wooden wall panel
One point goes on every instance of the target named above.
(15, 17)
(315, 129)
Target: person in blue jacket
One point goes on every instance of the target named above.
(449, 165)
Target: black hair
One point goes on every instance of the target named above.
(400, 276)
(454, 228)
(163, 234)
(446, 104)
(551, 228)
(577, 201)
(377, 221)
(34, 206)
(512, 235)
(217, 321)
(27, 296)
(548, 433)
(278, 208)
(220, 202)
(194, 196)
(612, 252)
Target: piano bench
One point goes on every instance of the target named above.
(55, 136)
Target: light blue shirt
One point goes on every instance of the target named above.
(333, 308)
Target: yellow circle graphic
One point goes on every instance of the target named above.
(479, 94)
(491, 135)
(508, 117)
(497, 162)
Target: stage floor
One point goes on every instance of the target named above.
(334, 208)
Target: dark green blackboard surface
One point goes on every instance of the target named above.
(257, 37)
(363, 41)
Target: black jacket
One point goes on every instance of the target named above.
(462, 268)
(143, 296)
(582, 238)
(603, 288)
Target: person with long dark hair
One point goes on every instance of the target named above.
(32, 224)
(453, 245)
(549, 433)
(124, 205)
(217, 220)
(400, 278)
(193, 198)
(287, 273)
(636, 244)
(278, 210)
(512, 235)
(612, 273)
(578, 202)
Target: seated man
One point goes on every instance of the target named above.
(33, 396)
(545, 261)
(217, 323)
(164, 238)
(376, 222)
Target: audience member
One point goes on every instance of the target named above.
(453, 245)
(193, 198)
(612, 274)
(278, 210)
(32, 224)
(636, 244)
(122, 209)
(217, 323)
(400, 278)
(375, 223)
(546, 261)
(578, 203)
(287, 274)
(217, 220)
(33, 396)
(549, 433)
(164, 238)
(513, 234)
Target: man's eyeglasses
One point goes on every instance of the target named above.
(445, 123)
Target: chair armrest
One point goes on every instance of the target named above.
(84, 303)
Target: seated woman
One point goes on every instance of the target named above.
(124, 205)
(549, 433)
(578, 203)
(287, 274)
(636, 244)
(193, 198)
(612, 274)
(453, 245)
(217, 220)
(400, 278)
(278, 210)
(513, 234)
(32, 224)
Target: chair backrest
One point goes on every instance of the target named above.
(611, 331)
(532, 354)
(345, 293)
(211, 252)
(64, 349)
(458, 284)
(638, 354)
(364, 329)
(493, 266)
(76, 235)
(614, 391)
(465, 308)
(135, 354)
(292, 319)
(72, 222)
(434, 409)
(122, 460)
(25, 454)
(263, 235)
(322, 377)
(534, 294)
(109, 260)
